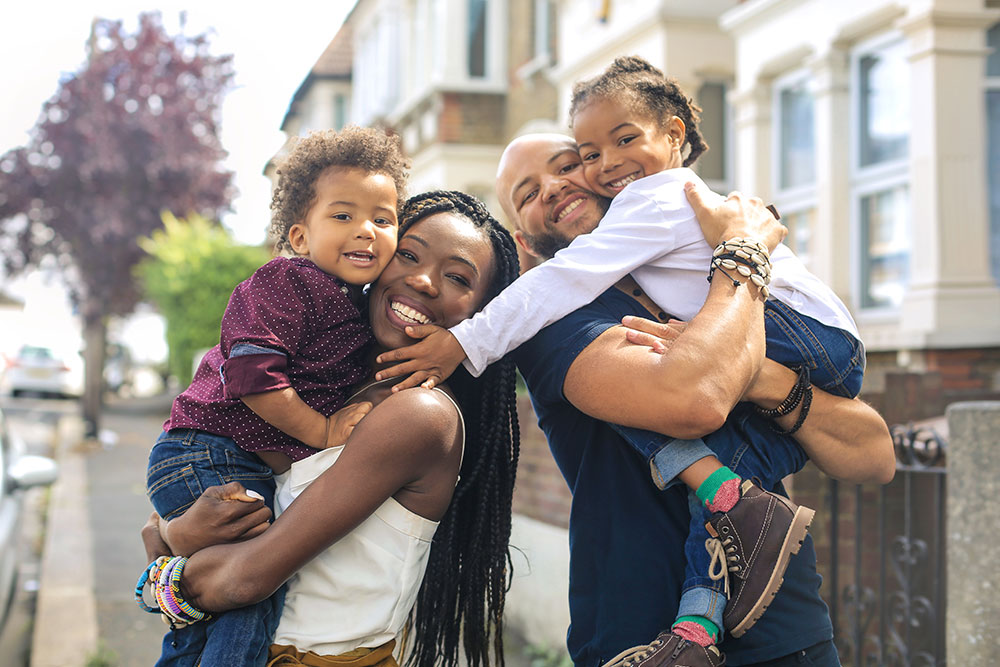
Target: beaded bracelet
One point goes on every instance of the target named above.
(163, 576)
(807, 398)
(792, 400)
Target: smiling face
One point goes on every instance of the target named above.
(350, 228)
(440, 275)
(541, 187)
(619, 146)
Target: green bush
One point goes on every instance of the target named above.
(194, 265)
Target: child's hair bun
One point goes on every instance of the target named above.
(629, 64)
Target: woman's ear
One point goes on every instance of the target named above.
(298, 238)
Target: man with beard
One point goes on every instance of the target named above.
(594, 391)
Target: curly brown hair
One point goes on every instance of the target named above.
(365, 148)
(633, 81)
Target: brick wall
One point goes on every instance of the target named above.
(541, 492)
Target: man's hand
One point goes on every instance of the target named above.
(430, 362)
(735, 216)
(657, 336)
(340, 424)
(222, 514)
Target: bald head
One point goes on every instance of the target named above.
(541, 188)
(529, 149)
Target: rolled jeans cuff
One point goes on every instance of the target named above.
(705, 602)
(668, 462)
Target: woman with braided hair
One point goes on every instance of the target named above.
(409, 520)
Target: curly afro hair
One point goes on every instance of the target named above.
(362, 147)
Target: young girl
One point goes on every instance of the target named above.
(636, 130)
(292, 343)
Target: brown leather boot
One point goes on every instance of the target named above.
(751, 545)
(668, 650)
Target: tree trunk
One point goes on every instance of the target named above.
(94, 345)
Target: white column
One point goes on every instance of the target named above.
(952, 299)
(752, 138)
(830, 251)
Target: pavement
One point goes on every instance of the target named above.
(86, 615)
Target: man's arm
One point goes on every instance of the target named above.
(688, 391)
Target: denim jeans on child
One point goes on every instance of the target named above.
(182, 464)
(747, 444)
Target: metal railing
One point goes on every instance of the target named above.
(888, 597)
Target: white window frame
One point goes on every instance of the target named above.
(869, 180)
(991, 84)
(795, 200)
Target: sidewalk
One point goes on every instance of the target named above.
(93, 553)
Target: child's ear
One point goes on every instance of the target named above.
(676, 130)
(298, 239)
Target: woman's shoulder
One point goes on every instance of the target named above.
(426, 419)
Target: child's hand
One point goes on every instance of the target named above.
(340, 424)
(431, 360)
(655, 335)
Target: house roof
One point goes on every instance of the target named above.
(335, 62)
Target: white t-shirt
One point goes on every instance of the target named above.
(651, 232)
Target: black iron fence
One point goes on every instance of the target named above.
(886, 573)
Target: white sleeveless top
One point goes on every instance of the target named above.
(358, 592)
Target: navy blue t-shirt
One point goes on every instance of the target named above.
(626, 536)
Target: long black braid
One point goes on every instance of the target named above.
(468, 572)
(650, 91)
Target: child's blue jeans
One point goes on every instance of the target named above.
(182, 464)
(747, 444)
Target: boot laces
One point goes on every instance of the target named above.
(635, 655)
(724, 560)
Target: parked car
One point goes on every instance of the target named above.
(40, 369)
(18, 472)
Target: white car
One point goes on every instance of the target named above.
(17, 473)
(39, 369)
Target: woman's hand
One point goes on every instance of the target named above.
(735, 216)
(222, 514)
(657, 336)
(429, 361)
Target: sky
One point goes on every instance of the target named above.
(273, 50)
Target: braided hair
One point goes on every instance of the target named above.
(649, 92)
(462, 596)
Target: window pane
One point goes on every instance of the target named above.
(712, 100)
(993, 42)
(799, 226)
(797, 136)
(885, 248)
(885, 105)
(339, 111)
(477, 38)
(993, 167)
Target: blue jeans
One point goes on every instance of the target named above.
(182, 464)
(747, 444)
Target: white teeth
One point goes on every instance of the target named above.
(621, 183)
(569, 209)
(408, 313)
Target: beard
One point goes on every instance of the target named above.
(547, 243)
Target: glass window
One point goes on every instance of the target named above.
(477, 38)
(543, 21)
(713, 126)
(885, 255)
(339, 111)
(800, 224)
(884, 87)
(797, 137)
(993, 42)
(993, 155)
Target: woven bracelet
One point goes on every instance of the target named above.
(807, 398)
(792, 400)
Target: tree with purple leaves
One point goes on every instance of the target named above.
(132, 133)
